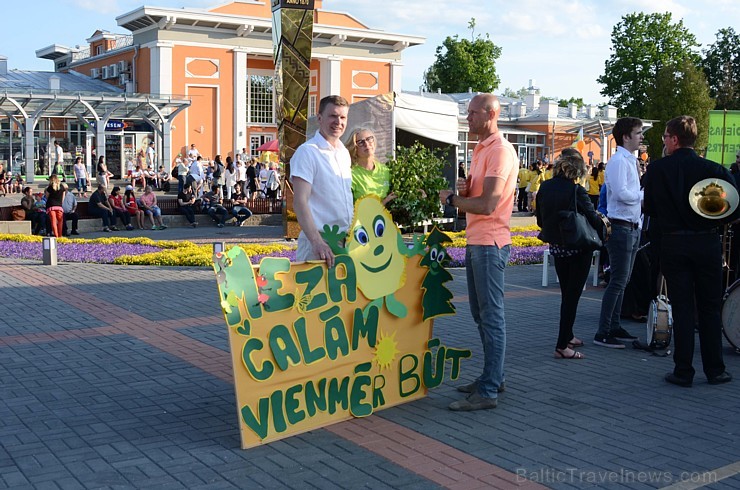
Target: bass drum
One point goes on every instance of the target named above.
(731, 315)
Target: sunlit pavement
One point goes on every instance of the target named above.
(117, 376)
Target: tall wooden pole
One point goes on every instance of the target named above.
(292, 33)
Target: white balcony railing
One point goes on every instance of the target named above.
(118, 43)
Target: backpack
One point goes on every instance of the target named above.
(272, 181)
(175, 171)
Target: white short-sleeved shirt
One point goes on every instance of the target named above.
(59, 151)
(241, 173)
(328, 171)
(150, 153)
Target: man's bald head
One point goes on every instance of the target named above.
(489, 102)
(483, 112)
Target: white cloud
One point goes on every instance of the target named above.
(675, 7)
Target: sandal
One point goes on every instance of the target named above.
(576, 342)
(560, 354)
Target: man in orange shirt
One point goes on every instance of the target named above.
(487, 196)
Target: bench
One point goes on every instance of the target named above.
(265, 212)
(169, 206)
(15, 227)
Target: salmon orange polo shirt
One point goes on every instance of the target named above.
(493, 157)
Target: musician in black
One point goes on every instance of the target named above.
(690, 251)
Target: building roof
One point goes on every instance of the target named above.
(243, 25)
(39, 82)
(25, 93)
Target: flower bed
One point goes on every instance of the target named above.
(526, 249)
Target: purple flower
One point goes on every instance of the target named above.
(289, 254)
(75, 252)
(526, 233)
(519, 256)
(526, 255)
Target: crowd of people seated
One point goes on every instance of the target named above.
(9, 184)
(203, 187)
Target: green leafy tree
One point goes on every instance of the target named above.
(519, 94)
(641, 45)
(679, 88)
(572, 100)
(416, 179)
(722, 66)
(464, 64)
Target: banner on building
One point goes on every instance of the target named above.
(312, 346)
(724, 136)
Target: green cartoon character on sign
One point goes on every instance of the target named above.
(436, 299)
(376, 246)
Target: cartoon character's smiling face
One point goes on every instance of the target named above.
(373, 245)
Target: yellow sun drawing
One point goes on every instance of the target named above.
(385, 350)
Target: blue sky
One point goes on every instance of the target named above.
(562, 45)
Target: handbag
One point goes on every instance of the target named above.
(575, 230)
(18, 214)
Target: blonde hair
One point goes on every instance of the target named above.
(352, 142)
(570, 165)
(54, 182)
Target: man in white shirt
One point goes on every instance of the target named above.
(193, 152)
(151, 156)
(322, 182)
(623, 202)
(58, 167)
(195, 176)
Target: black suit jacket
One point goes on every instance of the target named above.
(667, 185)
(556, 195)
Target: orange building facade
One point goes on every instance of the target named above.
(221, 59)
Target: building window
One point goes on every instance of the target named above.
(312, 105)
(261, 99)
(257, 140)
(98, 49)
(77, 134)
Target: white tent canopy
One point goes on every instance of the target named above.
(430, 118)
(421, 116)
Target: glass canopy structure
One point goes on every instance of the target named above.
(93, 110)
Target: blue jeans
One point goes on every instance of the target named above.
(622, 247)
(241, 213)
(485, 265)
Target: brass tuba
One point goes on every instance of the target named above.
(713, 198)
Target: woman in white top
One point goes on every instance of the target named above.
(137, 176)
(241, 177)
(229, 178)
(81, 177)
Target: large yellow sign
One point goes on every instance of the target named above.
(312, 346)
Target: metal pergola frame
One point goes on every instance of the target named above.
(26, 108)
